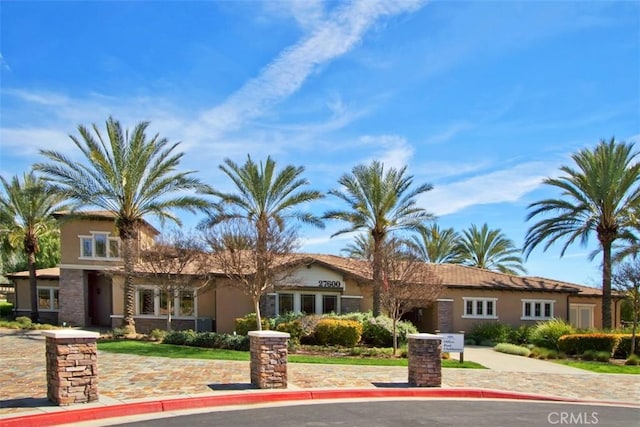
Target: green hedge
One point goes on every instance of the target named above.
(623, 351)
(577, 344)
(338, 332)
(207, 340)
(546, 334)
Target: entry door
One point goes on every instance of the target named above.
(581, 316)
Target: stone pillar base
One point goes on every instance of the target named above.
(425, 360)
(268, 359)
(72, 366)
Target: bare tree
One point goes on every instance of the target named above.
(236, 252)
(408, 283)
(177, 265)
(626, 279)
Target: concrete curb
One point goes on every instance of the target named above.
(178, 404)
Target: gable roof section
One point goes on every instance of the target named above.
(100, 215)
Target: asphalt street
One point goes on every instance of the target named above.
(407, 413)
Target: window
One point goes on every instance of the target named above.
(48, 299)
(99, 246)
(285, 303)
(316, 303)
(152, 301)
(480, 308)
(308, 304)
(581, 315)
(537, 309)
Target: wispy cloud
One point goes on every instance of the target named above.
(506, 185)
(4, 64)
(338, 34)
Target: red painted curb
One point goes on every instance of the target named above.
(167, 405)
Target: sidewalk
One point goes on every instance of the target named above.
(127, 378)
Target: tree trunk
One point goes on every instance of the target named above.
(169, 308)
(377, 271)
(33, 286)
(128, 237)
(606, 282)
(256, 305)
(395, 336)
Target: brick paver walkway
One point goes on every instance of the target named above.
(127, 377)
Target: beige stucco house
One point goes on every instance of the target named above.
(87, 290)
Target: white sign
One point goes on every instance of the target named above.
(452, 343)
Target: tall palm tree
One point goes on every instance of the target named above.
(360, 248)
(600, 194)
(129, 175)
(490, 249)
(437, 245)
(267, 199)
(26, 217)
(379, 202)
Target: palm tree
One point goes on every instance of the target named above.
(437, 245)
(599, 194)
(129, 175)
(26, 217)
(267, 200)
(490, 249)
(360, 248)
(379, 202)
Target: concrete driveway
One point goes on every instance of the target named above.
(503, 362)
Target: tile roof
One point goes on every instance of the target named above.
(43, 273)
(98, 214)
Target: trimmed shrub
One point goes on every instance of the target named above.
(494, 332)
(250, 323)
(546, 334)
(487, 343)
(545, 353)
(602, 356)
(588, 355)
(180, 337)
(6, 309)
(579, 343)
(512, 349)
(338, 332)
(157, 334)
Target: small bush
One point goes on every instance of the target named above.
(293, 328)
(487, 343)
(633, 360)
(378, 331)
(588, 355)
(338, 332)
(157, 334)
(24, 321)
(494, 332)
(544, 353)
(118, 332)
(469, 341)
(446, 355)
(579, 343)
(546, 334)
(602, 356)
(512, 349)
(520, 335)
(250, 323)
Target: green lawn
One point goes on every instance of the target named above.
(143, 348)
(600, 367)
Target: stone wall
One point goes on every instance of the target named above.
(445, 315)
(73, 297)
(350, 305)
(268, 359)
(72, 366)
(425, 360)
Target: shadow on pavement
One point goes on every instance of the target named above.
(232, 387)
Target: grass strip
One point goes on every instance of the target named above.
(143, 348)
(600, 367)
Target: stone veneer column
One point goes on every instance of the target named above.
(72, 297)
(72, 366)
(425, 360)
(445, 315)
(268, 359)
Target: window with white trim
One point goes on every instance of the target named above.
(307, 302)
(536, 309)
(153, 301)
(480, 308)
(48, 299)
(99, 245)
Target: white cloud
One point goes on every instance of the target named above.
(338, 34)
(506, 185)
(4, 64)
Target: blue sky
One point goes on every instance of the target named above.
(480, 99)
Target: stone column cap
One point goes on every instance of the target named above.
(70, 333)
(424, 336)
(269, 334)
